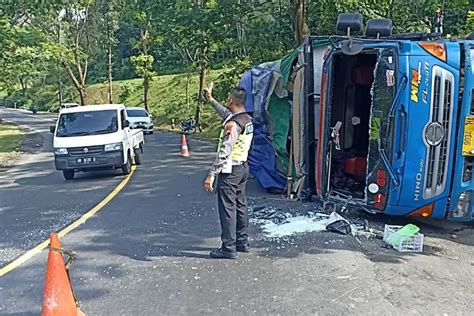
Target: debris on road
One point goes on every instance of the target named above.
(404, 238)
(338, 224)
(276, 224)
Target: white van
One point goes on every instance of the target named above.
(140, 118)
(95, 137)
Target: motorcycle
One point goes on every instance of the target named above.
(188, 126)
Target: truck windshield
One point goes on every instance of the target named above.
(87, 123)
(383, 102)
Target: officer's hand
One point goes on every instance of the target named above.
(208, 91)
(208, 183)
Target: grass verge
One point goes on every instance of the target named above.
(10, 141)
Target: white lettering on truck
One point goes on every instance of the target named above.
(427, 82)
(419, 178)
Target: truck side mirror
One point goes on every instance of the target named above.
(52, 128)
(126, 123)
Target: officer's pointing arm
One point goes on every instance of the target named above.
(232, 131)
(221, 110)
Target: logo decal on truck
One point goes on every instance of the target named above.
(415, 83)
(427, 82)
(418, 179)
(434, 134)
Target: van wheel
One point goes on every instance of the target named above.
(138, 158)
(127, 167)
(68, 174)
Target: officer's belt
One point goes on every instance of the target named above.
(237, 163)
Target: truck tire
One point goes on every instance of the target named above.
(138, 158)
(68, 174)
(127, 167)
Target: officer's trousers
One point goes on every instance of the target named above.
(233, 207)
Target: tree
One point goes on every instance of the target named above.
(300, 28)
(197, 31)
(144, 68)
(70, 44)
(142, 14)
(108, 19)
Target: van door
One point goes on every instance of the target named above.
(125, 132)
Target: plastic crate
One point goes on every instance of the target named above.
(410, 244)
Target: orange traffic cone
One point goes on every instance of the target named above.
(184, 147)
(58, 298)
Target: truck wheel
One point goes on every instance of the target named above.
(138, 158)
(127, 167)
(68, 174)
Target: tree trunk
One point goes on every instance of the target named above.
(60, 90)
(110, 95)
(300, 27)
(188, 77)
(145, 92)
(23, 85)
(82, 95)
(200, 107)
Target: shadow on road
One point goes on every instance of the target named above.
(164, 213)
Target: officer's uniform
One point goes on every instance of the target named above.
(232, 173)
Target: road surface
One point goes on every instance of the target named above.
(146, 252)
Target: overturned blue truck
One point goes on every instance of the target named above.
(380, 122)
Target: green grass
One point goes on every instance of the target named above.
(10, 138)
(167, 95)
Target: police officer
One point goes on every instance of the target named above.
(232, 171)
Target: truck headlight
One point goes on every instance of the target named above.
(464, 203)
(60, 151)
(113, 147)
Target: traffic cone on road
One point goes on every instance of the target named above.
(184, 147)
(58, 298)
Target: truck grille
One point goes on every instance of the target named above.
(437, 156)
(81, 151)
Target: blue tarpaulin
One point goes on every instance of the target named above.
(262, 154)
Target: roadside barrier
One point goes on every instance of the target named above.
(58, 297)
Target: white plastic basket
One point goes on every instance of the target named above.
(410, 244)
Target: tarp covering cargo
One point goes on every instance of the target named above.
(280, 140)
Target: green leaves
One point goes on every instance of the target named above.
(143, 65)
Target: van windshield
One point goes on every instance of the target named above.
(87, 123)
(137, 113)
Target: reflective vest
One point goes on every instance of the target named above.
(241, 148)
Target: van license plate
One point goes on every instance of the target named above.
(468, 139)
(86, 161)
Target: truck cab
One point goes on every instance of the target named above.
(95, 137)
(393, 121)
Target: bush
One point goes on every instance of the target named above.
(124, 93)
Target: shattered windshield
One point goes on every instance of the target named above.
(87, 123)
(383, 93)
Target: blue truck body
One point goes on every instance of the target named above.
(420, 161)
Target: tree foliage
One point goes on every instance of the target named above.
(78, 42)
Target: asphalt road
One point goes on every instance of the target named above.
(146, 253)
(34, 198)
